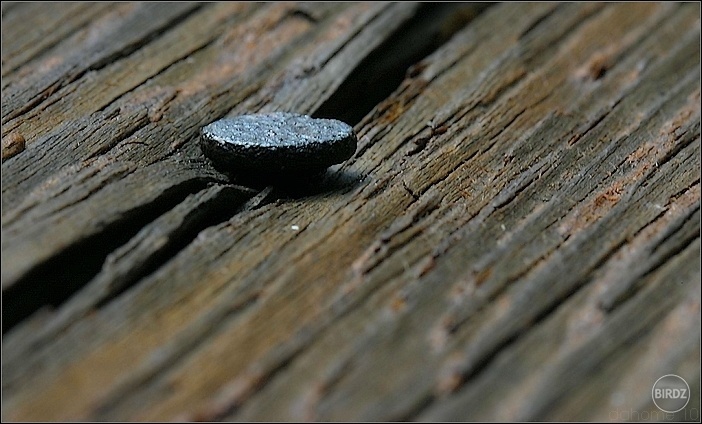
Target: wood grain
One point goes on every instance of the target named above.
(516, 238)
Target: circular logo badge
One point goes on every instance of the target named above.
(670, 393)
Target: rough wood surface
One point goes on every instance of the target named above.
(516, 238)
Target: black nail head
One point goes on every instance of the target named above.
(275, 143)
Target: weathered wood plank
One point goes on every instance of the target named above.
(35, 29)
(515, 239)
(142, 139)
(113, 35)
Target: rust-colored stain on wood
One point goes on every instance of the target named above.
(12, 145)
